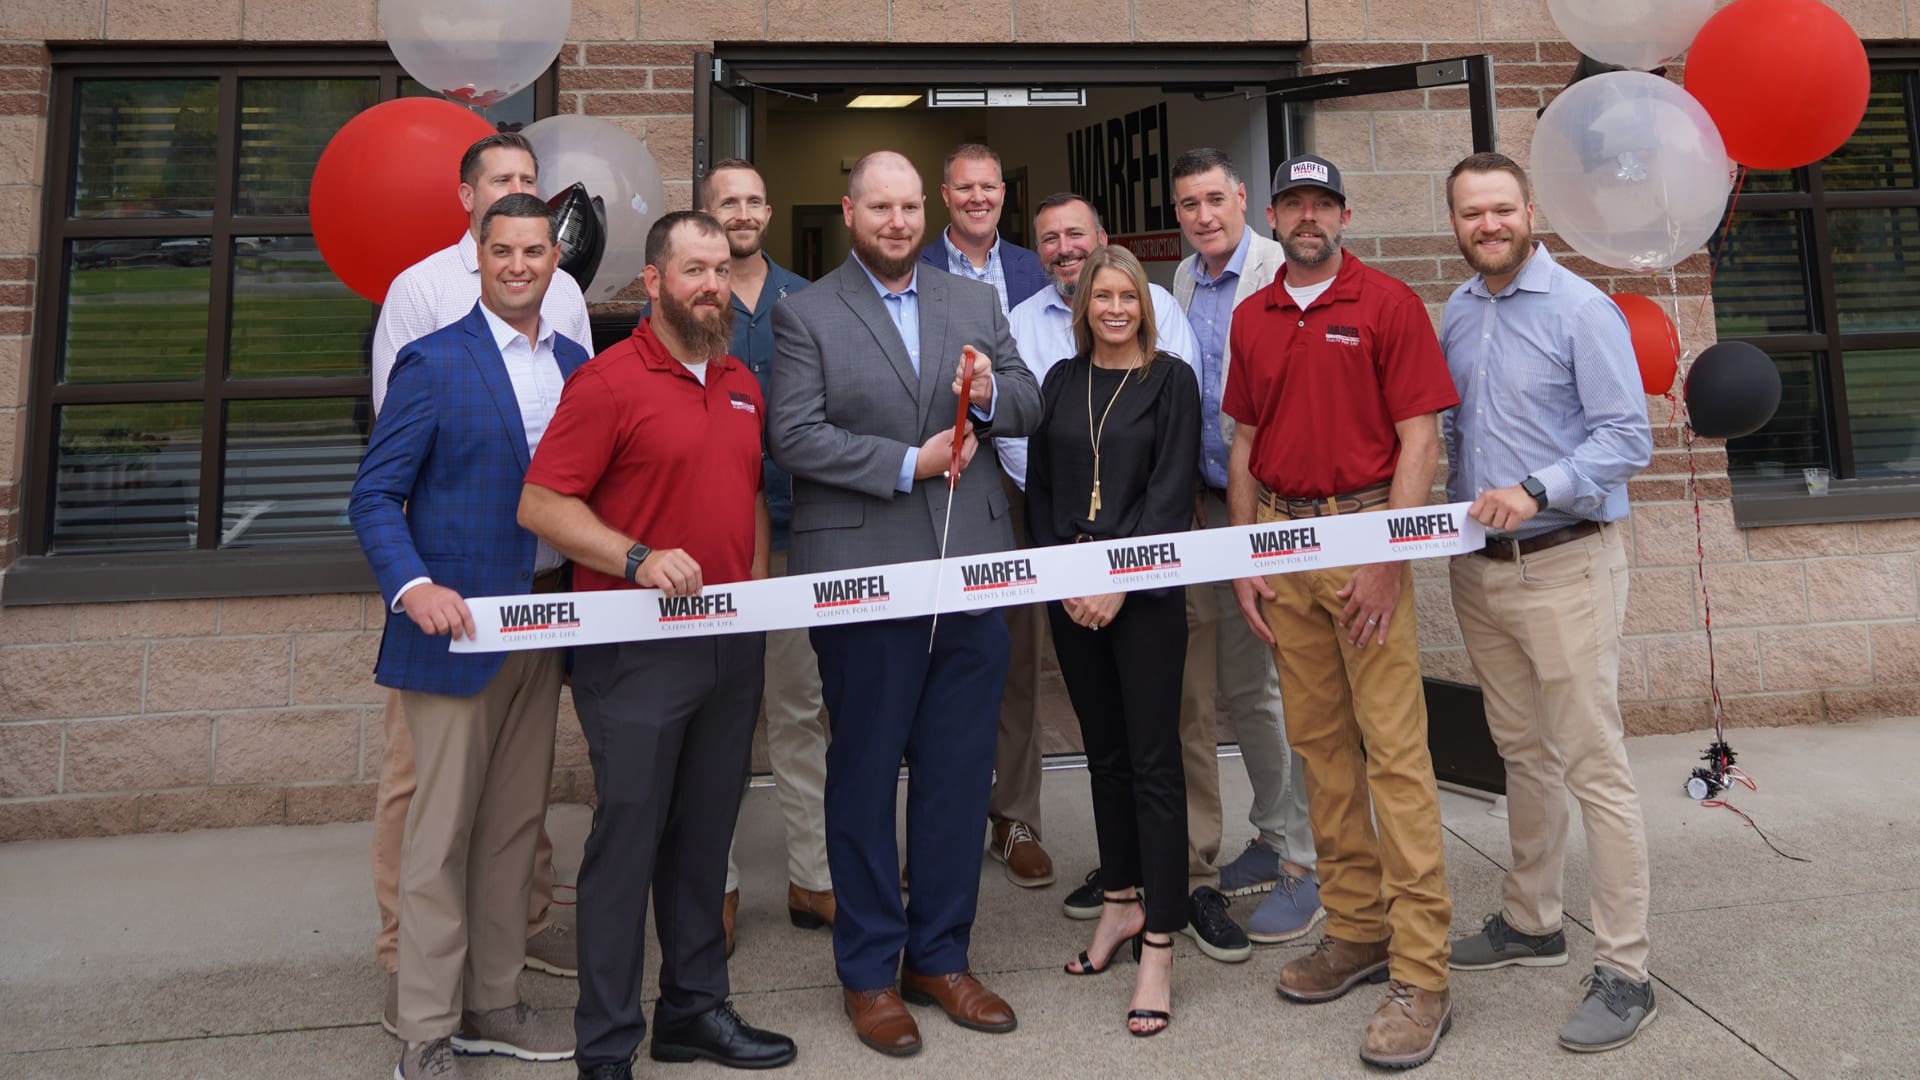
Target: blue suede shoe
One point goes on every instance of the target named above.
(1288, 913)
(1255, 870)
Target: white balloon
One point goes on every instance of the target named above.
(477, 52)
(1631, 33)
(1630, 170)
(620, 170)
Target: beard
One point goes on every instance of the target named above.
(741, 249)
(1519, 246)
(1301, 256)
(706, 332)
(884, 266)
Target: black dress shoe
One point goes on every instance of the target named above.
(622, 1071)
(720, 1035)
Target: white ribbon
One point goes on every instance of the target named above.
(971, 583)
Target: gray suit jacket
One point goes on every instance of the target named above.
(1266, 260)
(846, 406)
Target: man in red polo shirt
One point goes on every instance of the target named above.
(649, 477)
(1336, 383)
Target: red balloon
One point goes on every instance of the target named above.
(1656, 342)
(1786, 81)
(386, 190)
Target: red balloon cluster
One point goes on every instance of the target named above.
(1656, 342)
(385, 191)
(1785, 81)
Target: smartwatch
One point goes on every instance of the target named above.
(636, 555)
(1536, 489)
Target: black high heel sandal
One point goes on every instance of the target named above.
(1165, 1018)
(1086, 962)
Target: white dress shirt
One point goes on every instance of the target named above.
(1043, 328)
(440, 289)
(535, 374)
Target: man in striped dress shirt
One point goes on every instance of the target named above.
(1552, 422)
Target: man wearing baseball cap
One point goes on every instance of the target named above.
(1336, 386)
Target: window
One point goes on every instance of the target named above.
(200, 394)
(1821, 268)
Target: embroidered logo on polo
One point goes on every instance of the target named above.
(1343, 335)
(1000, 577)
(552, 620)
(1308, 170)
(742, 401)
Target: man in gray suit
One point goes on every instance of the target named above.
(866, 380)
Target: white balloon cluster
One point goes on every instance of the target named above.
(477, 52)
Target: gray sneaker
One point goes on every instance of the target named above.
(552, 950)
(1499, 945)
(1255, 870)
(430, 1060)
(1615, 1010)
(516, 1031)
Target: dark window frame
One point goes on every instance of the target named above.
(36, 577)
(1758, 502)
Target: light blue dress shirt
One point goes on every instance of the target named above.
(993, 273)
(1548, 389)
(904, 308)
(1210, 313)
(1043, 328)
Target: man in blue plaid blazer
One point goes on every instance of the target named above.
(434, 506)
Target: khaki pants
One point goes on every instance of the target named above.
(1016, 754)
(796, 752)
(391, 799)
(1543, 633)
(1228, 668)
(1359, 719)
(483, 765)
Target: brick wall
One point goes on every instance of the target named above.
(145, 717)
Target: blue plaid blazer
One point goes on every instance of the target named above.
(438, 493)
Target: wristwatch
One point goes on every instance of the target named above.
(1536, 489)
(636, 555)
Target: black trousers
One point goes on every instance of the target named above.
(1124, 682)
(669, 727)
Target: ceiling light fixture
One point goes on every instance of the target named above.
(883, 101)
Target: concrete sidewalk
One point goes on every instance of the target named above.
(247, 953)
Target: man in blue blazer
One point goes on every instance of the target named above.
(970, 246)
(434, 507)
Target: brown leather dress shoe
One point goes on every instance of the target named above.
(881, 1021)
(808, 909)
(1331, 969)
(1407, 1027)
(1028, 864)
(729, 914)
(964, 1000)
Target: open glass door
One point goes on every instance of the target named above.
(722, 118)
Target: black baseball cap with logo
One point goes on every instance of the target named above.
(1308, 171)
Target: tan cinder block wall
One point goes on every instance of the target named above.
(187, 714)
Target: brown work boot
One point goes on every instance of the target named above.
(1014, 844)
(1331, 969)
(809, 909)
(965, 1001)
(881, 1021)
(729, 914)
(1407, 1026)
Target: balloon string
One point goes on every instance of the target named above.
(1719, 250)
(1700, 569)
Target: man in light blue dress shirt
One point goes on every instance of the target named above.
(1551, 424)
(971, 246)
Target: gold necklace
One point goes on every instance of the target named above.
(1096, 433)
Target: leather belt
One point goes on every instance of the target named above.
(1511, 550)
(1333, 505)
(550, 581)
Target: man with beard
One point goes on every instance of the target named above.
(1068, 228)
(736, 195)
(872, 362)
(649, 477)
(1551, 425)
(1224, 662)
(1336, 389)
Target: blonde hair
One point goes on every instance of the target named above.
(1114, 257)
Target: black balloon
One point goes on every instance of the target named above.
(1732, 390)
(582, 223)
